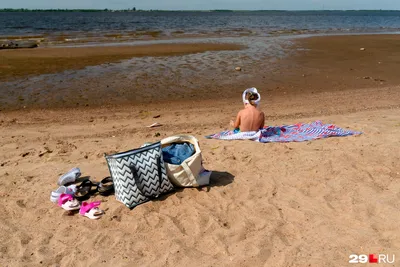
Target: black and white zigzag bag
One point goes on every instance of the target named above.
(139, 175)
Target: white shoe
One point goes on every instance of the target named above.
(69, 177)
(55, 195)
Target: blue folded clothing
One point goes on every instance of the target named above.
(177, 153)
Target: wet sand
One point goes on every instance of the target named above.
(23, 62)
(338, 63)
(294, 204)
(318, 64)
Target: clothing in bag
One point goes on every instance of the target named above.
(190, 172)
(139, 175)
(177, 153)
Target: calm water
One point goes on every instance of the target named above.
(85, 27)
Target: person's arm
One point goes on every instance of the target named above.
(263, 120)
(237, 122)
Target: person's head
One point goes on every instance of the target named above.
(252, 98)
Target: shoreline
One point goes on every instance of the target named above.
(210, 39)
(131, 38)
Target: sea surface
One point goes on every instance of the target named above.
(83, 27)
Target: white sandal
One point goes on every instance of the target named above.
(55, 195)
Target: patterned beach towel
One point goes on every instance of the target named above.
(287, 133)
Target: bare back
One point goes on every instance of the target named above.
(250, 119)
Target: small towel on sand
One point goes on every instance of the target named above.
(287, 133)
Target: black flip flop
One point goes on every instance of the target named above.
(106, 186)
(84, 190)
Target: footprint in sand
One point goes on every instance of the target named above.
(29, 178)
(21, 203)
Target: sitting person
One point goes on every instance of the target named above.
(250, 118)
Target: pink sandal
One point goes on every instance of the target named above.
(68, 202)
(91, 210)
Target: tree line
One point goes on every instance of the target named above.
(65, 10)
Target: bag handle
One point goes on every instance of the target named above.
(188, 171)
(137, 180)
(159, 174)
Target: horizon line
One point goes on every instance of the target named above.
(249, 10)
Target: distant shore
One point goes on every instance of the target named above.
(205, 10)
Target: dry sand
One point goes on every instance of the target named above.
(279, 204)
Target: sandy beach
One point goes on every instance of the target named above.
(277, 204)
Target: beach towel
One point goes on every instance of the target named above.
(287, 133)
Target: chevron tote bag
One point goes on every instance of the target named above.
(139, 175)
